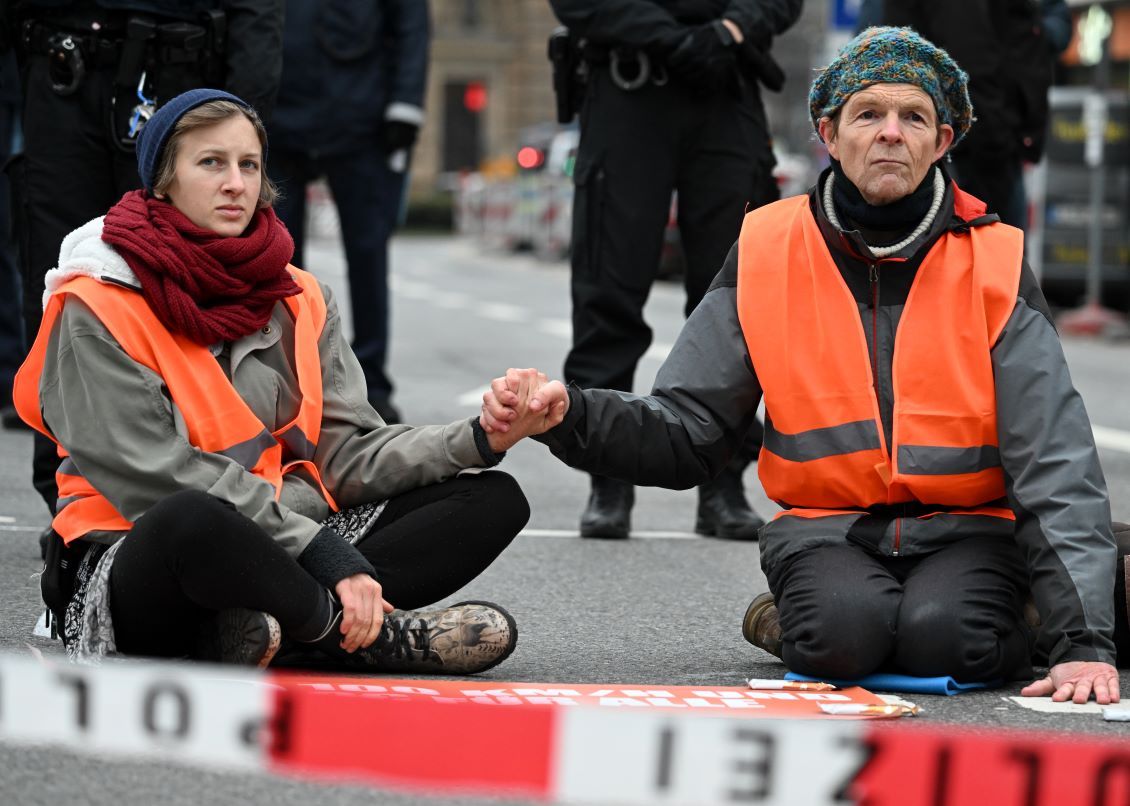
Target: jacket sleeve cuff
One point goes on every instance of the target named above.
(330, 559)
(405, 113)
(552, 438)
(489, 457)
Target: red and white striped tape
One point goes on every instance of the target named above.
(566, 744)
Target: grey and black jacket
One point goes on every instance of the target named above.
(706, 394)
(126, 436)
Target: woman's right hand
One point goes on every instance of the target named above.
(364, 608)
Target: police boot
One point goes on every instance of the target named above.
(723, 510)
(609, 511)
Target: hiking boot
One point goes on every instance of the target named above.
(723, 510)
(762, 625)
(609, 511)
(465, 638)
(241, 637)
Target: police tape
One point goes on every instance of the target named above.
(559, 743)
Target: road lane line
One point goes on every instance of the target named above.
(646, 535)
(473, 397)
(556, 327)
(1113, 439)
(503, 312)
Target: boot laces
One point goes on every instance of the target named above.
(398, 638)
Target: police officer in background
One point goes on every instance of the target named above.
(349, 109)
(671, 102)
(92, 73)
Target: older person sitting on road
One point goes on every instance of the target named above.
(935, 463)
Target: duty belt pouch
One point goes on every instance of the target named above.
(57, 582)
(180, 59)
(130, 79)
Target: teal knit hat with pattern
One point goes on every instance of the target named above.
(894, 56)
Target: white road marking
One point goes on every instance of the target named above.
(502, 312)
(1113, 439)
(453, 300)
(556, 327)
(21, 528)
(473, 397)
(6, 519)
(646, 535)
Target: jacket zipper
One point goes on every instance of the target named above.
(873, 281)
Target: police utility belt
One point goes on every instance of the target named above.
(629, 68)
(152, 58)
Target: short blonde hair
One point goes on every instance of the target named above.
(206, 115)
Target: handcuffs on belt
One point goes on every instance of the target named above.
(66, 67)
(616, 56)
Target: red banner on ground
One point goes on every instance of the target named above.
(737, 700)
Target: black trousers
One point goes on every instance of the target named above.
(367, 195)
(846, 613)
(192, 554)
(636, 148)
(70, 172)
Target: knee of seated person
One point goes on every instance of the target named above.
(505, 496)
(832, 660)
(933, 641)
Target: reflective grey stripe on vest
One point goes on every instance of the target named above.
(820, 443)
(247, 453)
(926, 460)
(63, 503)
(68, 467)
(298, 443)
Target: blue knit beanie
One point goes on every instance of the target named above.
(894, 56)
(156, 132)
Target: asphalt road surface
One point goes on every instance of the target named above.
(663, 608)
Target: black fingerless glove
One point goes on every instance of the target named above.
(330, 559)
(396, 134)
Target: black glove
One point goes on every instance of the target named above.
(705, 59)
(397, 134)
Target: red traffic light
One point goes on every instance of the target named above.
(475, 96)
(530, 157)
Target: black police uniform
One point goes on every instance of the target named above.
(671, 103)
(88, 69)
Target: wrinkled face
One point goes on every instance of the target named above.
(887, 138)
(217, 174)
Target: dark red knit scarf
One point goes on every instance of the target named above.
(209, 287)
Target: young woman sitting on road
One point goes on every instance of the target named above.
(223, 480)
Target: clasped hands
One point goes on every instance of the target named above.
(522, 403)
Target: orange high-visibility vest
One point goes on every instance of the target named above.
(825, 447)
(217, 418)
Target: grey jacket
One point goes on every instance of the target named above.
(707, 391)
(125, 435)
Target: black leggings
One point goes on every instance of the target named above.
(193, 554)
